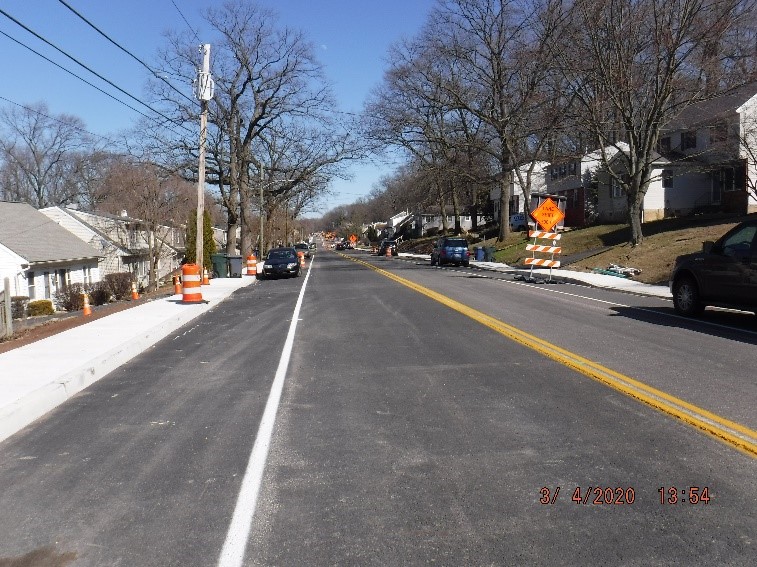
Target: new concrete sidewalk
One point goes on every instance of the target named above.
(37, 377)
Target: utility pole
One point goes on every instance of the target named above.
(204, 92)
(262, 252)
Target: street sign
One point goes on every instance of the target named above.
(548, 214)
(353, 238)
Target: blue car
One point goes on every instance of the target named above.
(450, 250)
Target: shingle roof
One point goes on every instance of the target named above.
(35, 237)
(707, 112)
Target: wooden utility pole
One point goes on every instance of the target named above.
(204, 92)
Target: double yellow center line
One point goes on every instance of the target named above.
(730, 432)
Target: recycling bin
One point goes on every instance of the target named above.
(479, 251)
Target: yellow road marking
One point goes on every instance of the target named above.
(735, 434)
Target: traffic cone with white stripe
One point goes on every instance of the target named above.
(134, 294)
(87, 310)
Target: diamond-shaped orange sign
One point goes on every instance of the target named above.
(548, 214)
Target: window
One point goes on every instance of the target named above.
(572, 168)
(554, 173)
(616, 189)
(728, 178)
(30, 284)
(689, 140)
(563, 170)
(664, 145)
(667, 179)
(87, 273)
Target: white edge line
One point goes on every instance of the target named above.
(232, 554)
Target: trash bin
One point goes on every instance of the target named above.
(479, 250)
(489, 254)
(220, 265)
(235, 266)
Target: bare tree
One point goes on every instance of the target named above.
(38, 153)
(160, 200)
(632, 66)
(266, 77)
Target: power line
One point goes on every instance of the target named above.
(56, 119)
(35, 34)
(73, 74)
(129, 53)
(186, 22)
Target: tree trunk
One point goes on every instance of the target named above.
(504, 207)
(635, 212)
(455, 208)
(442, 207)
(244, 211)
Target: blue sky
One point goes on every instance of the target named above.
(351, 37)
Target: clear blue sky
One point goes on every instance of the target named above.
(351, 36)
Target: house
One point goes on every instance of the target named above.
(711, 148)
(611, 201)
(125, 241)
(40, 257)
(423, 223)
(575, 180)
(517, 200)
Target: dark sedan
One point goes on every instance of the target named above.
(281, 262)
(724, 273)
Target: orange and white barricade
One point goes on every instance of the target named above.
(252, 265)
(191, 278)
(543, 249)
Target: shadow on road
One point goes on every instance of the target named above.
(731, 325)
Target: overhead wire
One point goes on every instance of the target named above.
(57, 120)
(22, 44)
(72, 58)
(129, 53)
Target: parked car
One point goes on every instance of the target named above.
(342, 245)
(450, 250)
(303, 247)
(723, 274)
(387, 243)
(281, 262)
(518, 222)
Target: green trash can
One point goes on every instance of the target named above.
(235, 266)
(489, 254)
(220, 265)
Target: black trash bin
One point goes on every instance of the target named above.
(489, 254)
(235, 266)
(220, 265)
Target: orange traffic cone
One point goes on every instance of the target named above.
(301, 256)
(87, 309)
(177, 285)
(134, 294)
(205, 277)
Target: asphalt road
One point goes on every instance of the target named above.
(406, 433)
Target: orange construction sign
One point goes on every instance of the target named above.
(548, 214)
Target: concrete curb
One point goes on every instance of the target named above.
(29, 388)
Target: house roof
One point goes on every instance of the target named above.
(707, 112)
(35, 237)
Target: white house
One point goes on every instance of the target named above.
(517, 201)
(40, 257)
(712, 147)
(126, 241)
